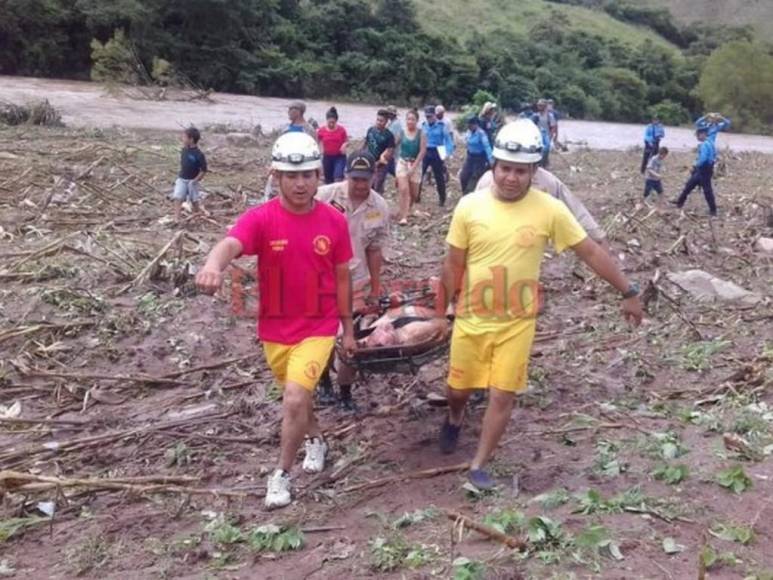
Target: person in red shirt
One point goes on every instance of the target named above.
(334, 140)
(303, 248)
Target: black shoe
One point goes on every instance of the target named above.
(449, 437)
(347, 405)
(325, 396)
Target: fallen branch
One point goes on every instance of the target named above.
(322, 529)
(21, 331)
(20, 421)
(60, 447)
(422, 474)
(104, 377)
(18, 482)
(210, 366)
(491, 533)
(13, 480)
(146, 271)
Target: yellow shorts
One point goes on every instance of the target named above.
(300, 363)
(493, 359)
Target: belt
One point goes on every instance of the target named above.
(408, 159)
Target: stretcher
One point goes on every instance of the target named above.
(403, 358)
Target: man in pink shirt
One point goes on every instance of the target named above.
(303, 250)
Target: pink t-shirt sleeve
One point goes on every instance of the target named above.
(344, 135)
(248, 230)
(343, 249)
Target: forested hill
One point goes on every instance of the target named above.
(610, 59)
(755, 13)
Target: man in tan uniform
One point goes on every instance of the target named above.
(367, 214)
(545, 181)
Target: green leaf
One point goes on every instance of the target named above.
(594, 536)
(741, 534)
(553, 499)
(589, 502)
(708, 556)
(274, 538)
(543, 530)
(12, 526)
(671, 474)
(411, 518)
(735, 479)
(505, 521)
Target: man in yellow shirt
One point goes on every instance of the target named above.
(495, 245)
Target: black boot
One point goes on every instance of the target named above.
(325, 394)
(345, 401)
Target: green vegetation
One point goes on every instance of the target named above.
(394, 551)
(735, 479)
(451, 17)
(738, 80)
(671, 474)
(697, 356)
(608, 59)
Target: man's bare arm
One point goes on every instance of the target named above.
(344, 297)
(451, 277)
(210, 277)
(375, 259)
(600, 262)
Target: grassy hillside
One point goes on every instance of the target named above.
(758, 13)
(460, 17)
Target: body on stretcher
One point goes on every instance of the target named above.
(401, 340)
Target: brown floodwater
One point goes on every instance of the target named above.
(85, 104)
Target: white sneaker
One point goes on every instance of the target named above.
(316, 449)
(278, 490)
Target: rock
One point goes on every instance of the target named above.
(764, 245)
(241, 140)
(703, 286)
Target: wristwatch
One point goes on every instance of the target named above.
(633, 290)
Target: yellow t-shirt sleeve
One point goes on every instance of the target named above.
(458, 234)
(566, 230)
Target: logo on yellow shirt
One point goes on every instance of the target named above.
(321, 245)
(525, 236)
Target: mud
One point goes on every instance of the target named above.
(601, 394)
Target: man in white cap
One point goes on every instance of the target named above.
(303, 250)
(496, 242)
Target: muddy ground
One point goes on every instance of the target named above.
(85, 104)
(160, 400)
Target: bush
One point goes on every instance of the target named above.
(573, 100)
(669, 112)
(37, 113)
(737, 79)
(628, 94)
(115, 61)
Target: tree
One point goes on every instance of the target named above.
(116, 61)
(737, 80)
(629, 94)
(669, 112)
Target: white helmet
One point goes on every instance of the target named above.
(295, 152)
(519, 141)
